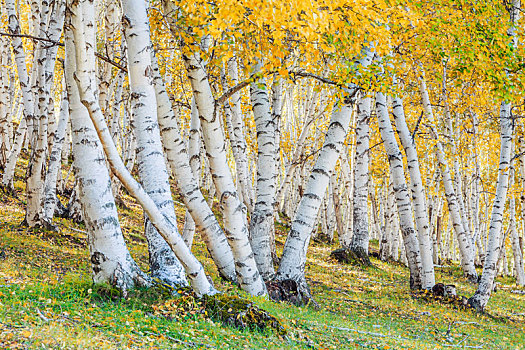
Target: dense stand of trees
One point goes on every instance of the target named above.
(353, 120)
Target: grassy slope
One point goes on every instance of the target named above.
(47, 301)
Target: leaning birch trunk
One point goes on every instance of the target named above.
(358, 244)
(27, 95)
(466, 247)
(262, 223)
(515, 239)
(110, 259)
(418, 195)
(5, 139)
(234, 219)
(293, 261)
(481, 297)
(55, 161)
(9, 170)
(152, 169)
(404, 206)
(185, 169)
(194, 149)
(85, 78)
(46, 58)
(238, 140)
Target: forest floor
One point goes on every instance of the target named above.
(47, 300)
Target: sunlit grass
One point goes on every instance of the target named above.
(47, 300)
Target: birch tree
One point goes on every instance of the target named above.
(418, 194)
(262, 222)
(109, 257)
(358, 244)
(404, 206)
(293, 260)
(85, 79)
(150, 160)
(466, 247)
(184, 167)
(235, 226)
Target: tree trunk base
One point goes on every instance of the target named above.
(290, 291)
(347, 256)
(475, 303)
(474, 279)
(9, 190)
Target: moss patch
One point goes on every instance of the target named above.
(230, 310)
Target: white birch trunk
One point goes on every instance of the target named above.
(18, 143)
(54, 165)
(418, 195)
(515, 240)
(360, 236)
(404, 206)
(5, 108)
(465, 242)
(292, 265)
(186, 170)
(152, 169)
(238, 141)
(38, 141)
(110, 259)
(27, 95)
(194, 149)
(85, 77)
(234, 219)
(482, 294)
(262, 223)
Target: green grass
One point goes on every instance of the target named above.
(47, 301)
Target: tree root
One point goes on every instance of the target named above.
(286, 290)
(444, 294)
(347, 256)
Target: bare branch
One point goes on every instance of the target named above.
(100, 56)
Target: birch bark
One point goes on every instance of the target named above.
(152, 169)
(234, 219)
(110, 259)
(293, 259)
(85, 78)
(465, 242)
(418, 195)
(27, 95)
(404, 206)
(481, 297)
(516, 249)
(237, 138)
(55, 160)
(183, 168)
(360, 237)
(262, 223)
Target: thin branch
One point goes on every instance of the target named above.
(417, 127)
(314, 76)
(226, 95)
(98, 55)
(111, 62)
(229, 93)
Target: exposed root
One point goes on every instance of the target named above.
(286, 290)
(346, 256)
(444, 294)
